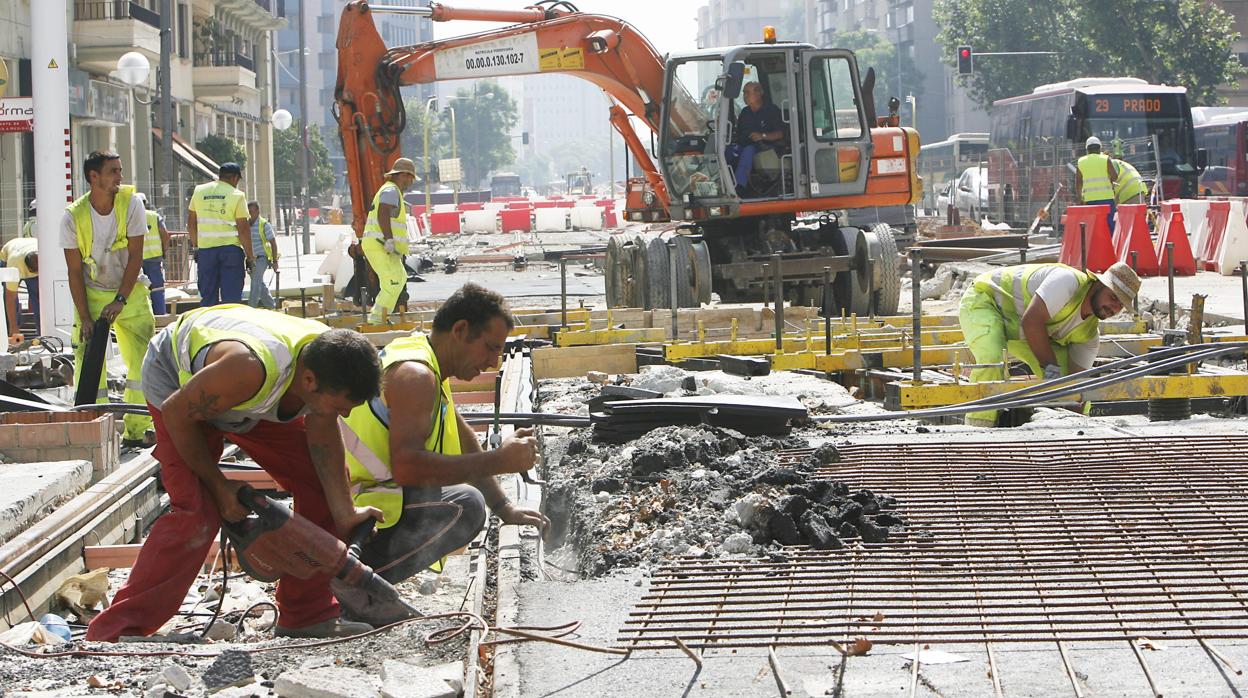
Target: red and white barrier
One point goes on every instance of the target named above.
(1233, 247)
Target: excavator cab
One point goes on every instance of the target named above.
(712, 160)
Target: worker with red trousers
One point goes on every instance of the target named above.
(275, 385)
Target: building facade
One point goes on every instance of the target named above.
(1236, 93)
(220, 85)
(732, 22)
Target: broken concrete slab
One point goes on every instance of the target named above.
(230, 668)
(28, 489)
(403, 680)
(327, 682)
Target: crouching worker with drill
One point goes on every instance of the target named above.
(410, 453)
(276, 386)
(1045, 314)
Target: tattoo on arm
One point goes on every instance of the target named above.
(319, 453)
(203, 408)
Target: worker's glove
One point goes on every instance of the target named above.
(389, 245)
(194, 255)
(1052, 372)
(250, 264)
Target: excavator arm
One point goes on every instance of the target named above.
(548, 38)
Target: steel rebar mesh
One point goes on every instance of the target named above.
(1097, 539)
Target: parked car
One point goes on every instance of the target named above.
(971, 196)
(942, 198)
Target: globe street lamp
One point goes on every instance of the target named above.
(282, 120)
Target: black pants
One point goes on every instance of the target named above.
(435, 521)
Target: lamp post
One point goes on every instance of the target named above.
(282, 120)
(455, 153)
(425, 143)
(133, 69)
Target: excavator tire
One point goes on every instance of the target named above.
(610, 277)
(851, 288)
(658, 273)
(887, 281)
(693, 271)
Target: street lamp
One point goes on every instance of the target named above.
(425, 142)
(134, 69)
(282, 120)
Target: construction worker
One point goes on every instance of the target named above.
(21, 254)
(155, 243)
(28, 229)
(102, 237)
(410, 453)
(385, 238)
(1129, 187)
(220, 237)
(1095, 178)
(1048, 315)
(275, 385)
(264, 250)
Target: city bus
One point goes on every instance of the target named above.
(1225, 137)
(941, 163)
(1036, 139)
(505, 184)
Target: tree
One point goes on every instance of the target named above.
(1180, 42)
(286, 160)
(483, 123)
(874, 50)
(222, 149)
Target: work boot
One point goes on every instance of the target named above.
(358, 605)
(333, 627)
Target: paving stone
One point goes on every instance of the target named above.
(232, 668)
(403, 680)
(327, 682)
(176, 677)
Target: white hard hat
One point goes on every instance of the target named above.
(33, 204)
(1092, 141)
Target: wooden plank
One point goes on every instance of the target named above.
(475, 398)
(563, 362)
(258, 479)
(122, 556)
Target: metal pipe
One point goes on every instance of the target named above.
(778, 290)
(827, 308)
(1170, 278)
(1083, 247)
(916, 312)
(1135, 302)
(563, 293)
(304, 164)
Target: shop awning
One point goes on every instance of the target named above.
(190, 155)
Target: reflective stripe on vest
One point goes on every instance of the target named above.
(1129, 183)
(398, 222)
(80, 211)
(1012, 289)
(217, 230)
(274, 338)
(366, 433)
(152, 246)
(1095, 170)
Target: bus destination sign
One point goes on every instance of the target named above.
(1127, 105)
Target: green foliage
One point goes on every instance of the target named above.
(1178, 42)
(286, 160)
(483, 123)
(874, 50)
(223, 149)
(412, 140)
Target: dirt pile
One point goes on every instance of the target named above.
(699, 491)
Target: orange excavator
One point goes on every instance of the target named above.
(832, 153)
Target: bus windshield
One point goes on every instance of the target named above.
(690, 148)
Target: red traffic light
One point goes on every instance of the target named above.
(966, 53)
(965, 60)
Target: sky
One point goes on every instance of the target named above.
(671, 25)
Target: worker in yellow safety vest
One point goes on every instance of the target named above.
(21, 254)
(1129, 187)
(220, 237)
(1048, 315)
(102, 238)
(385, 238)
(1095, 178)
(409, 453)
(155, 242)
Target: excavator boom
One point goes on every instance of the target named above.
(603, 50)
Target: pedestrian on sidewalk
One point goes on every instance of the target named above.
(220, 237)
(102, 237)
(155, 244)
(1048, 315)
(385, 238)
(264, 250)
(275, 385)
(411, 455)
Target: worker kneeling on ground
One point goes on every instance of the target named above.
(409, 452)
(1045, 314)
(275, 385)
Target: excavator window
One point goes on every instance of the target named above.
(691, 149)
(835, 114)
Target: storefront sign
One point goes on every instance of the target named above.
(17, 115)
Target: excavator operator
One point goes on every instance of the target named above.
(760, 129)
(385, 238)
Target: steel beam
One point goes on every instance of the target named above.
(902, 395)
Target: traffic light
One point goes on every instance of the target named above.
(965, 58)
(524, 138)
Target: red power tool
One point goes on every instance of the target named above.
(276, 541)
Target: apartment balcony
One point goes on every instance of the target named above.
(105, 29)
(267, 15)
(223, 76)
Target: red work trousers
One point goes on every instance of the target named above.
(174, 551)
